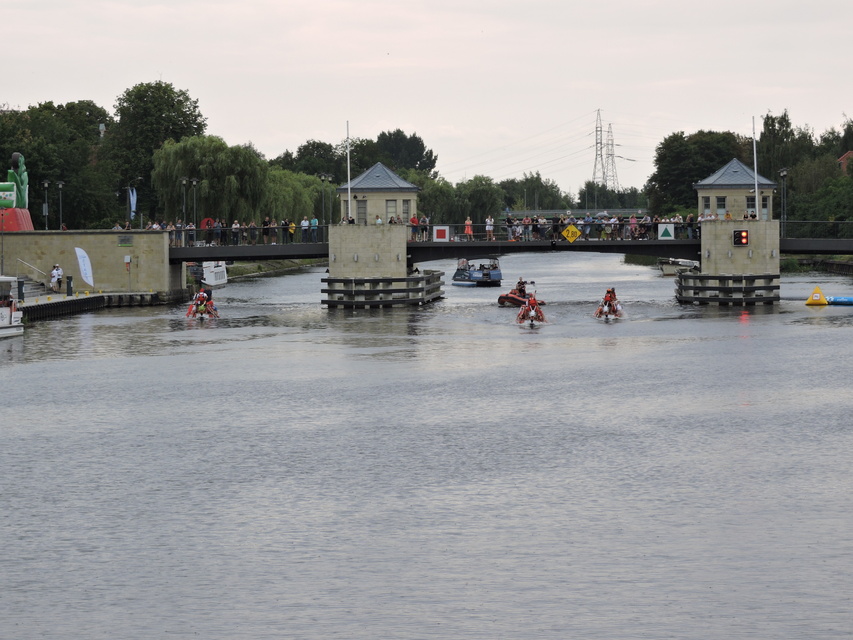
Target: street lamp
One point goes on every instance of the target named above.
(783, 173)
(59, 185)
(195, 182)
(184, 200)
(45, 184)
(325, 177)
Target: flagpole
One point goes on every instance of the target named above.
(349, 180)
(755, 170)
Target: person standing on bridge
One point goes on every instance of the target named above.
(265, 230)
(469, 229)
(315, 224)
(526, 222)
(587, 225)
(490, 227)
(424, 227)
(305, 226)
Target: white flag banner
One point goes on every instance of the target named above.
(131, 193)
(85, 266)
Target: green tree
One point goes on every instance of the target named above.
(62, 143)
(288, 195)
(832, 200)
(477, 198)
(681, 161)
(781, 145)
(231, 180)
(400, 151)
(437, 197)
(315, 157)
(285, 161)
(148, 115)
(596, 196)
(533, 193)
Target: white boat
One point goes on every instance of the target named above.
(671, 266)
(215, 274)
(11, 320)
(212, 274)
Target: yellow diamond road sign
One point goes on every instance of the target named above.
(571, 233)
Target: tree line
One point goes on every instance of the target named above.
(156, 143)
(808, 164)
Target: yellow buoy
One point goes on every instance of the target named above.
(817, 298)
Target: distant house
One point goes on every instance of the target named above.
(732, 190)
(379, 192)
(843, 160)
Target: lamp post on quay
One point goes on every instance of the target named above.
(45, 184)
(325, 177)
(59, 185)
(783, 173)
(195, 182)
(184, 199)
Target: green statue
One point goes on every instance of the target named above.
(17, 176)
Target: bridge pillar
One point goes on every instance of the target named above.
(368, 267)
(740, 264)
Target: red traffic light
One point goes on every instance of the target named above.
(740, 238)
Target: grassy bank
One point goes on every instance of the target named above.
(269, 267)
(241, 270)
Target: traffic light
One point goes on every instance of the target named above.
(740, 238)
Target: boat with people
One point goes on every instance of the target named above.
(11, 319)
(486, 274)
(518, 296)
(202, 305)
(671, 266)
(609, 307)
(530, 313)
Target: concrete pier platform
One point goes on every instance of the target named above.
(55, 305)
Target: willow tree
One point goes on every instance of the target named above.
(230, 182)
(289, 195)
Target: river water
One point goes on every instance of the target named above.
(289, 471)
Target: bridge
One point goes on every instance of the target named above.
(429, 250)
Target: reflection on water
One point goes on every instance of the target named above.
(292, 471)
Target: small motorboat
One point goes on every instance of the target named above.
(671, 266)
(516, 299)
(11, 320)
(482, 275)
(209, 274)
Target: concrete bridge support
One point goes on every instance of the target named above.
(740, 265)
(369, 267)
(121, 261)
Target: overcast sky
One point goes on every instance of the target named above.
(494, 88)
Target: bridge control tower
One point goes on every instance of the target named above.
(740, 248)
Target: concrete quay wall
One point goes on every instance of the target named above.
(148, 269)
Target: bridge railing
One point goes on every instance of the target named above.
(816, 229)
(245, 236)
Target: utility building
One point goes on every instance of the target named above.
(379, 192)
(731, 190)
